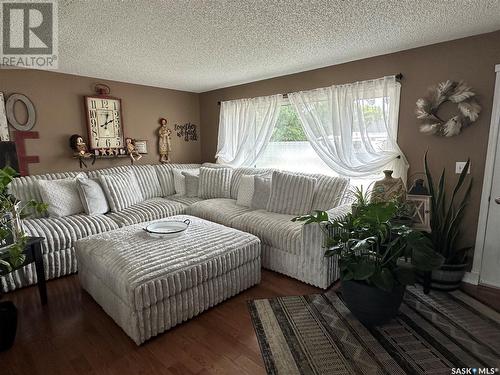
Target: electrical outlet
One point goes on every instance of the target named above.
(459, 167)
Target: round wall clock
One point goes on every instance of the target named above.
(104, 122)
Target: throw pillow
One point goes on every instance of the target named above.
(61, 196)
(92, 196)
(262, 190)
(192, 183)
(179, 182)
(121, 189)
(215, 182)
(291, 194)
(245, 191)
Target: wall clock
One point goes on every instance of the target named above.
(104, 121)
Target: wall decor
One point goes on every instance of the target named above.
(80, 150)
(164, 145)
(4, 127)
(188, 131)
(24, 160)
(448, 91)
(141, 145)
(11, 116)
(104, 119)
(421, 219)
(131, 150)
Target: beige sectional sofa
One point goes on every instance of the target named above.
(287, 247)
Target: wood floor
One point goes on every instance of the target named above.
(73, 335)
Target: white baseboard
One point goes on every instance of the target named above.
(471, 278)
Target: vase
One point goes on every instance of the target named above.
(8, 325)
(447, 278)
(16, 222)
(388, 189)
(370, 305)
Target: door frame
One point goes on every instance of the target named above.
(474, 276)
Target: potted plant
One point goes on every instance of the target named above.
(377, 257)
(446, 219)
(12, 243)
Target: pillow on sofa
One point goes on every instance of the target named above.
(262, 190)
(215, 182)
(179, 182)
(121, 189)
(61, 196)
(92, 196)
(291, 194)
(192, 183)
(245, 191)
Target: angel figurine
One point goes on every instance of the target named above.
(129, 145)
(164, 141)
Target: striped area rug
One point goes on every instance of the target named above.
(433, 334)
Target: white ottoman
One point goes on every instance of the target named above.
(149, 285)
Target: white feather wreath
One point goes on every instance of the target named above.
(456, 92)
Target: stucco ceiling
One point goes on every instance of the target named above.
(201, 45)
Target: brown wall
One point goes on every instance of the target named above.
(58, 99)
(471, 59)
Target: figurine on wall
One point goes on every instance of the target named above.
(164, 144)
(131, 151)
(80, 149)
(388, 189)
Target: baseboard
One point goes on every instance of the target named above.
(471, 278)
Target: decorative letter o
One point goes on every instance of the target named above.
(11, 117)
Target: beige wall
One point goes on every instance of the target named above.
(58, 99)
(471, 59)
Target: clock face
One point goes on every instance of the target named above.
(104, 122)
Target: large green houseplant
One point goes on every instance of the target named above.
(377, 256)
(447, 213)
(13, 241)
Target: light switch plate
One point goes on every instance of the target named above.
(459, 167)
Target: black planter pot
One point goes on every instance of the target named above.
(372, 306)
(8, 325)
(447, 278)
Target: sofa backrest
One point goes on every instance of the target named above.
(25, 188)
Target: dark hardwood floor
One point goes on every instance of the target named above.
(488, 296)
(73, 335)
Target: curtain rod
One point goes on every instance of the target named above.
(399, 77)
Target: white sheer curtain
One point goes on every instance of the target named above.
(353, 127)
(245, 127)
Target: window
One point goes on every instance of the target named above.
(289, 148)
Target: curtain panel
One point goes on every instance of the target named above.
(245, 128)
(353, 127)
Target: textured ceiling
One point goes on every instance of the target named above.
(200, 45)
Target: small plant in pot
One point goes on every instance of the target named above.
(12, 243)
(377, 257)
(446, 219)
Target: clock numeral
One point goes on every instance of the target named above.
(93, 104)
(104, 104)
(93, 114)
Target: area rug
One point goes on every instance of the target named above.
(433, 334)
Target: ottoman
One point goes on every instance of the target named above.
(148, 285)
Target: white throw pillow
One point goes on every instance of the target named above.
(192, 184)
(179, 182)
(215, 182)
(92, 196)
(121, 189)
(291, 194)
(61, 196)
(262, 191)
(245, 191)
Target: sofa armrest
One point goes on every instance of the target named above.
(315, 267)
